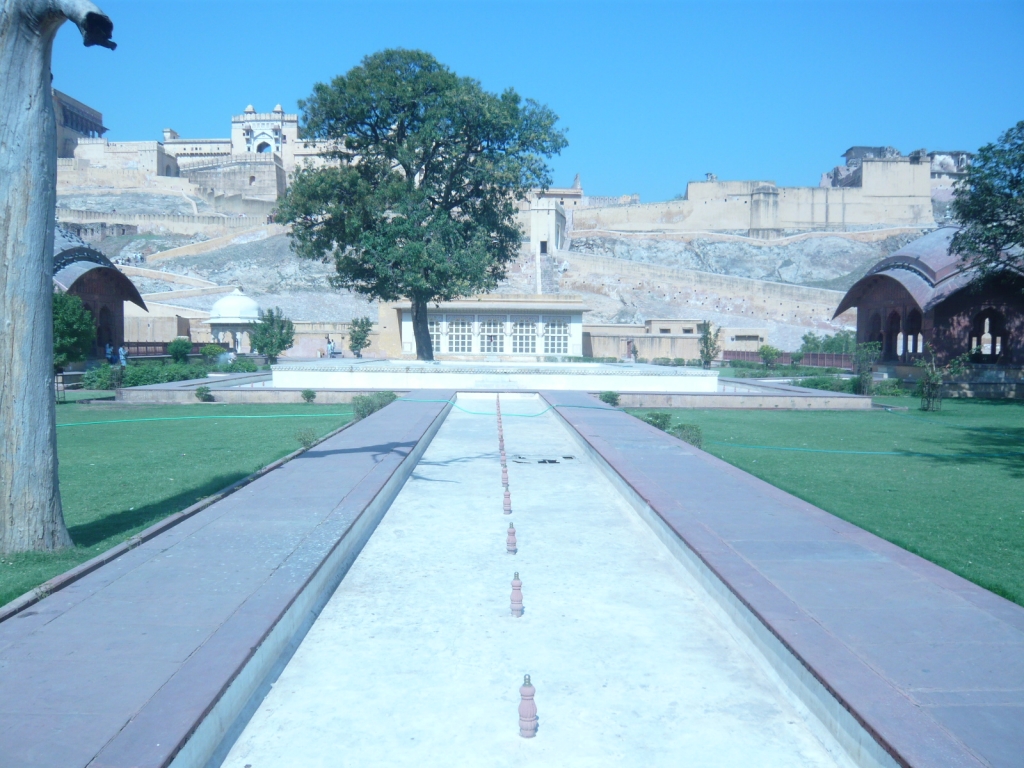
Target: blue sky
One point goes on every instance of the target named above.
(653, 94)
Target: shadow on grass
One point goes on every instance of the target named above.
(1002, 450)
(117, 526)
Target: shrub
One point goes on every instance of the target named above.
(143, 375)
(709, 346)
(179, 350)
(203, 394)
(239, 365)
(795, 358)
(641, 359)
(306, 437)
(658, 419)
(212, 352)
(890, 388)
(364, 405)
(612, 398)
(828, 383)
(98, 378)
(688, 433)
(308, 395)
(661, 361)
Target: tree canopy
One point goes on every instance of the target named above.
(272, 335)
(424, 171)
(74, 330)
(989, 204)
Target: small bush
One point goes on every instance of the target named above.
(890, 388)
(680, 361)
(179, 350)
(641, 359)
(211, 352)
(828, 383)
(658, 419)
(98, 378)
(240, 365)
(364, 405)
(203, 394)
(795, 358)
(306, 437)
(661, 361)
(688, 433)
(612, 398)
(142, 375)
(308, 395)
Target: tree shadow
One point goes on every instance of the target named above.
(376, 450)
(1001, 449)
(118, 525)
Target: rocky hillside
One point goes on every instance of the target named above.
(822, 262)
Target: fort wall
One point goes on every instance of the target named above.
(894, 192)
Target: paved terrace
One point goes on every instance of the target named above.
(119, 668)
(930, 663)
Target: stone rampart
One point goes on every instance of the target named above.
(894, 192)
(147, 222)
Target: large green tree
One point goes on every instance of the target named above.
(74, 330)
(425, 169)
(989, 205)
(272, 334)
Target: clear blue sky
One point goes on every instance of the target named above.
(653, 94)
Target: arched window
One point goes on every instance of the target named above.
(263, 147)
(893, 326)
(915, 338)
(988, 342)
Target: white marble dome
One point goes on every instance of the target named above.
(236, 308)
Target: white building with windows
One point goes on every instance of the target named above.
(499, 327)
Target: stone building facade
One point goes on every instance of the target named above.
(923, 294)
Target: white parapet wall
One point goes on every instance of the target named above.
(532, 377)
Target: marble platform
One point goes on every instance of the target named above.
(416, 374)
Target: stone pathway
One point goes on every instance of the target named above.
(417, 660)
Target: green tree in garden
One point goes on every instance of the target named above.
(839, 343)
(769, 355)
(933, 376)
(989, 204)
(74, 330)
(272, 335)
(359, 335)
(709, 346)
(864, 358)
(420, 197)
(180, 349)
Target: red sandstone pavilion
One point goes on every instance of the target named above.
(925, 295)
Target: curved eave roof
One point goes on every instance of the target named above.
(925, 268)
(72, 272)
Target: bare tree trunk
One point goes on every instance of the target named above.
(420, 330)
(30, 509)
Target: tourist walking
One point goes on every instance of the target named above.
(122, 355)
(109, 353)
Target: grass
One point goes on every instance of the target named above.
(119, 477)
(948, 486)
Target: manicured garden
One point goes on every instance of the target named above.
(123, 468)
(946, 485)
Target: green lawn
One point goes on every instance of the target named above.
(123, 474)
(948, 486)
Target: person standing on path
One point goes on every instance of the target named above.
(109, 352)
(122, 355)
